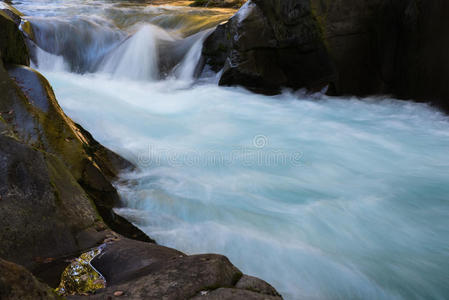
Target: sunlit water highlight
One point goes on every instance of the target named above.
(325, 198)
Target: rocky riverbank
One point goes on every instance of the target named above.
(56, 200)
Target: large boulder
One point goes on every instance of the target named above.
(44, 213)
(18, 283)
(270, 44)
(121, 260)
(137, 270)
(37, 118)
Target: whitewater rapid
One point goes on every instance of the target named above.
(325, 198)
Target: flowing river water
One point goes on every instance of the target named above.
(325, 198)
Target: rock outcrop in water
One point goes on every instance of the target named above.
(271, 44)
(376, 46)
(56, 201)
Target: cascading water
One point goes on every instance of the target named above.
(325, 198)
(186, 69)
(136, 58)
(80, 41)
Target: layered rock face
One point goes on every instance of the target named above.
(271, 44)
(357, 47)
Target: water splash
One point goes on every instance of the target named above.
(137, 57)
(80, 41)
(187, 69)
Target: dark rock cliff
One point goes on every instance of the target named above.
(394, 47)
(358, 47)
(271, 44)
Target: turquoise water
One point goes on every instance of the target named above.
(325, 198)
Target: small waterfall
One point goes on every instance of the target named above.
(81, 42)
(137, 57)
(49, 62)
(187, 68)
